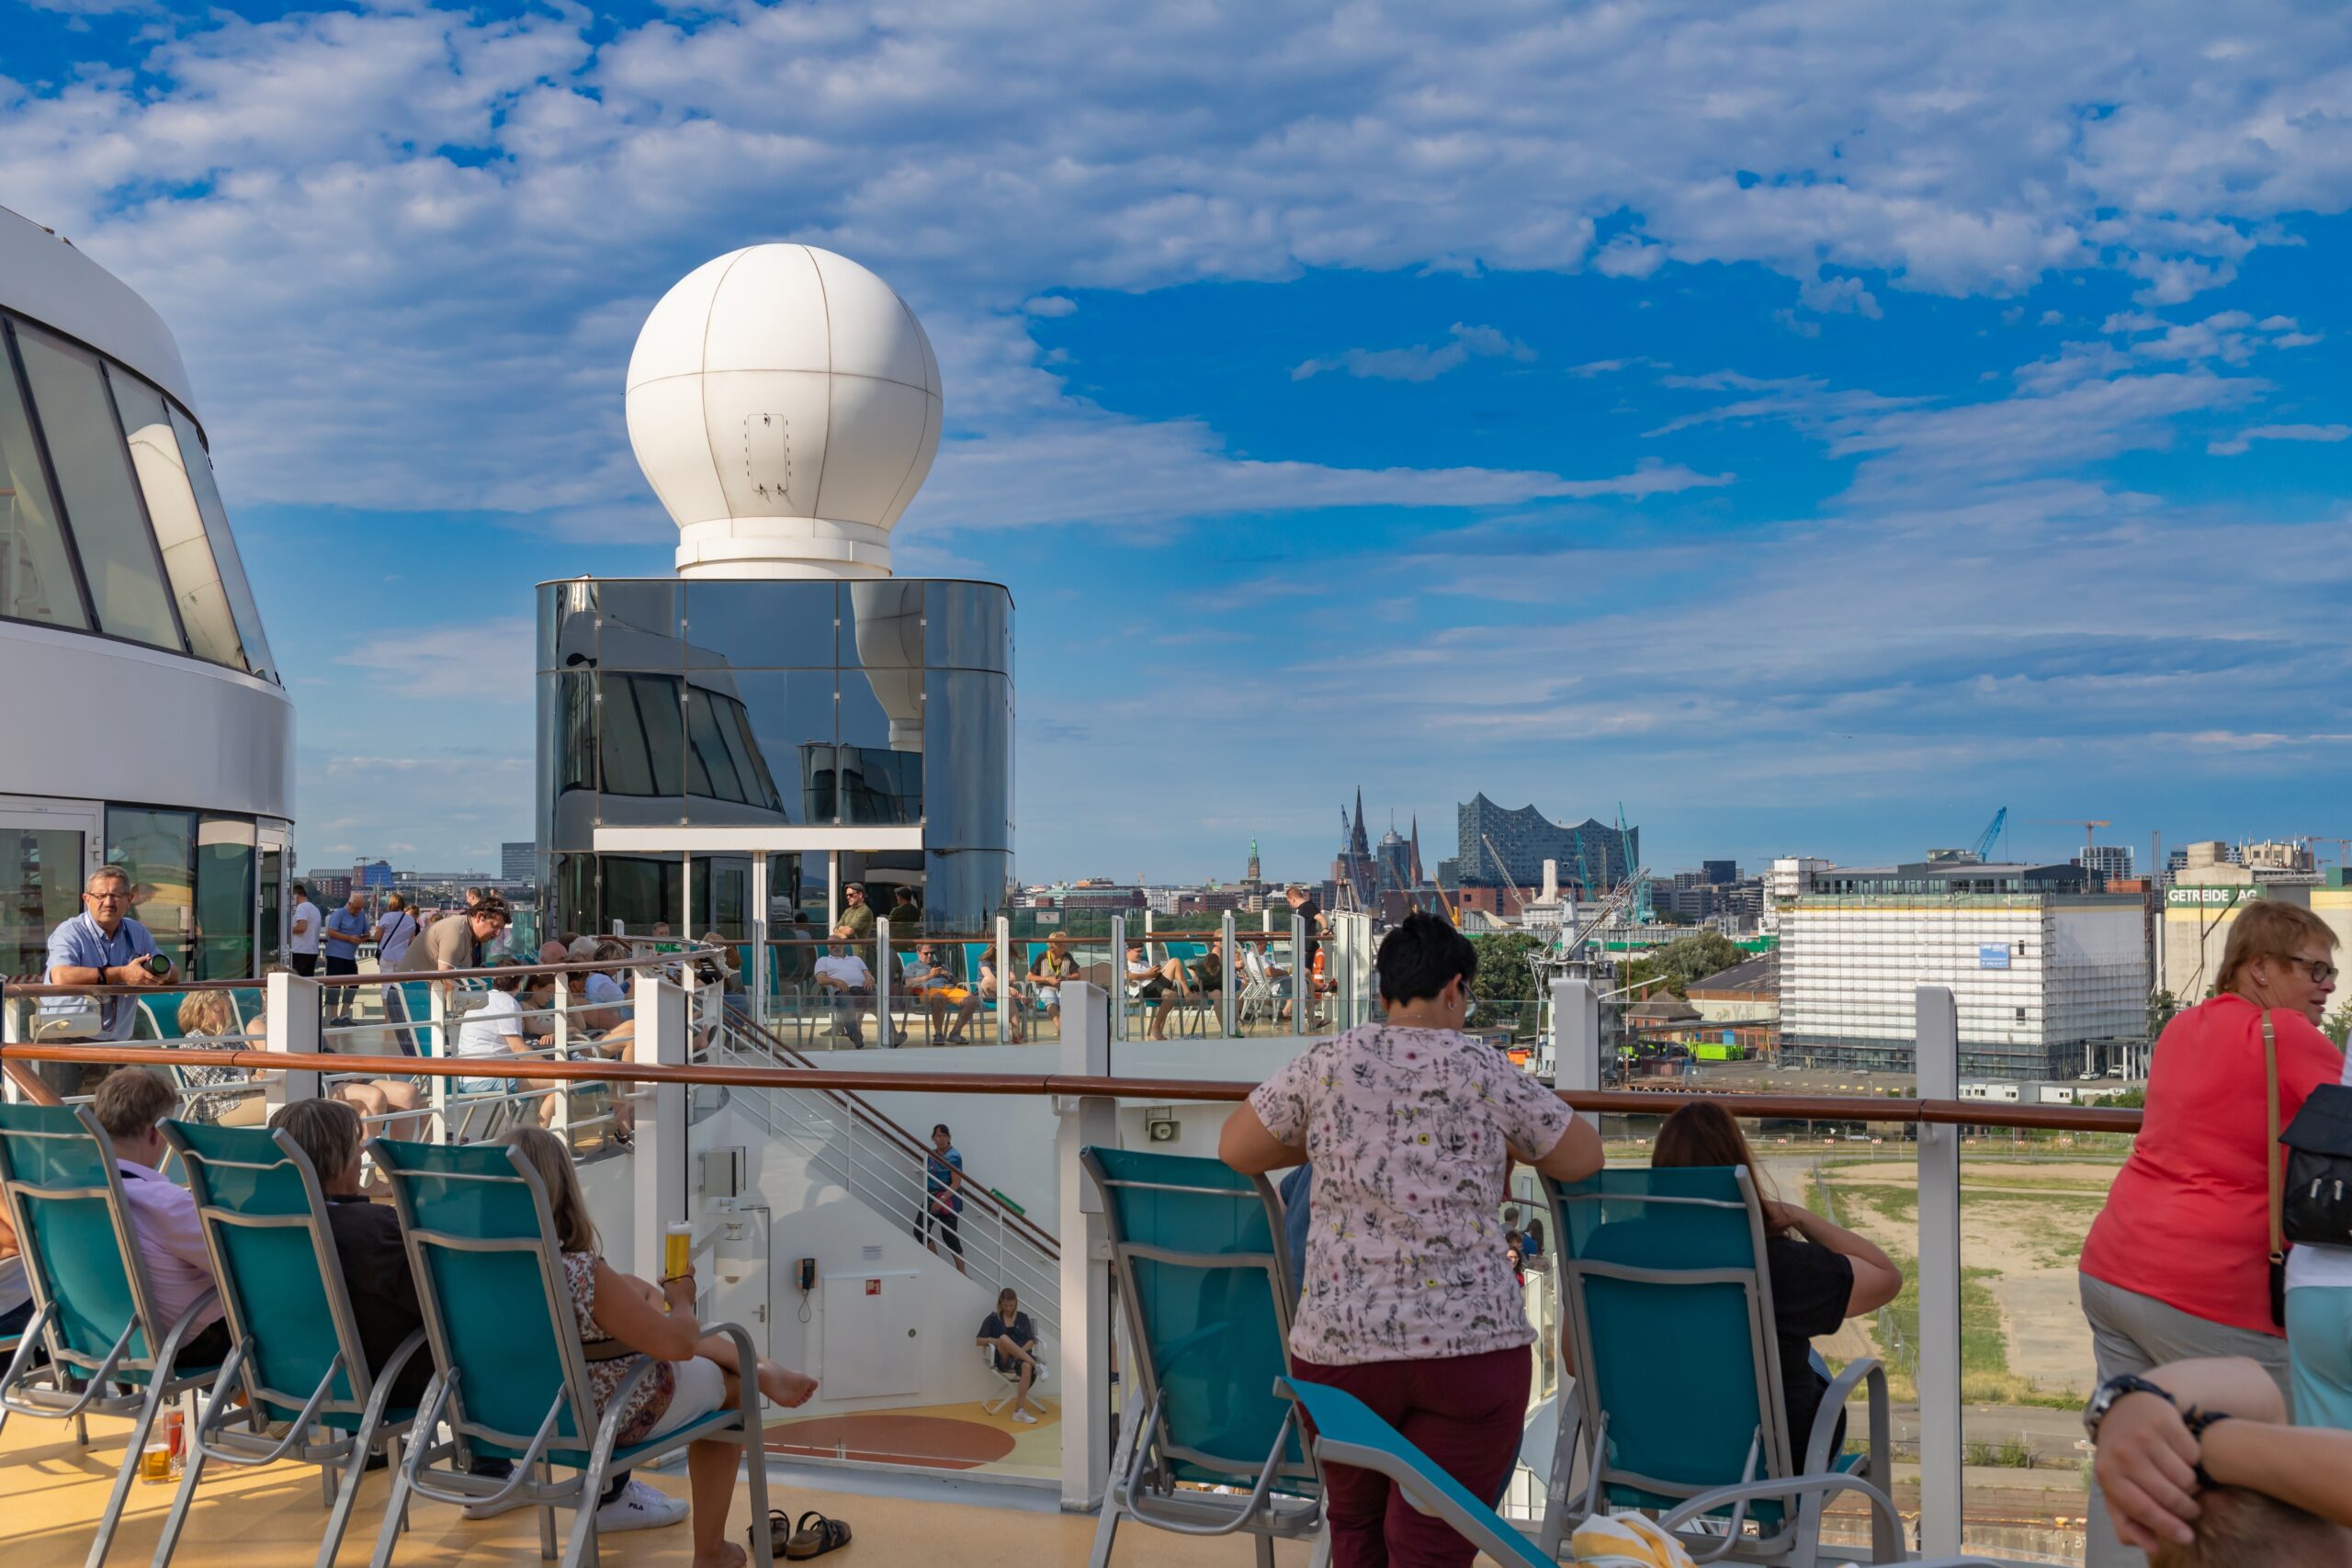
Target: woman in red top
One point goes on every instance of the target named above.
(2177, 1265)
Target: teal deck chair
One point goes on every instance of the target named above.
(110, 1353)
(1346, 1431)
(1669, 1310)
(1206, 1291)
(511, 1380)
(296, 1351)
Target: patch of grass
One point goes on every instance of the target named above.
(2013, 1454)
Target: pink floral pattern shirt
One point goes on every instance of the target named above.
(1410, 1132)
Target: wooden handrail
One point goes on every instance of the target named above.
(1819, 1108)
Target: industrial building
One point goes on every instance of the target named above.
(2052, 979)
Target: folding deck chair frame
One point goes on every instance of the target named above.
(345, 1400)
(571, 1433)
(38, 1168)
(1151, 1458)
(1771, 1475)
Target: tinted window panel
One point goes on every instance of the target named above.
(971, 626)
(882, 625)
(967, 737)
(158, 849)
(639, 627)
(881, 746)
(242, 609)
(179, 528)
(761, 625)
(36, 573)
(101, 500)
(789, 716)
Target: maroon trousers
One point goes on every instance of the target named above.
(1464, 1412)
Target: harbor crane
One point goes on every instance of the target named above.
(2088, 825)
(1986, 840)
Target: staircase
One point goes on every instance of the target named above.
(882, 1166)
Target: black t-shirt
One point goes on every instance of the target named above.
(1310, 911)
(1810, 1286)
(383, 1292)
(1021, 1334)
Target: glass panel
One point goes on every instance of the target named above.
(568, 750)
(197, 465)
(967, 736)
(964, 889)
(40, 888)
(643, 744)
(273, 897)
(971, 626)
(639, 625)
(790, 720)
(179, 528)
(881, 746)
(36, 573)
(772, 626)
(101, 500)
(224, 899)
(882, 625)
(642, 892)
(158, 849)
(728, 780)
(567, 625)
(722, 897)
(571, 909)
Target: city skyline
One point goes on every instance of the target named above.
(1946, 421)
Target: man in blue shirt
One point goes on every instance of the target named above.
(104, 946)
(344, 931)
(943, 1202)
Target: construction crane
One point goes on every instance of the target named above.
(1641, 884)
(1992, 834)
(2088, 825)
(1517, 898)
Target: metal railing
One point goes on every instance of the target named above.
(1085, 1092)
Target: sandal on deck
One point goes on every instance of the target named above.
(814, 1539)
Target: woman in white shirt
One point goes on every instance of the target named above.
(495, 1029)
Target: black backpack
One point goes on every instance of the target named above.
(2315, 1207)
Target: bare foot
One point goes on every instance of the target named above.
(729, 1555)
(786, 1387)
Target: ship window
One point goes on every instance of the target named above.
(36, 571)
(102, 510)
(224, 546)
(188, 564)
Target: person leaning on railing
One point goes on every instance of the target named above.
(1409, 1303)
(2176, 1266)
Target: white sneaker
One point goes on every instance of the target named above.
(1024, 1417)
(639, 1507)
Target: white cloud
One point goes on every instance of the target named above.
(2244, 439)
(350, 296)
(484, 662)
(1420, 362)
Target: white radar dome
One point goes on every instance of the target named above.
(783, 403)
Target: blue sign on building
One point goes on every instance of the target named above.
(1993, 956)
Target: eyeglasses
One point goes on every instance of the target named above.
(107, 897)
(2319, 969)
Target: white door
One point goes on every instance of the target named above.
(269, 896)
(47, 849)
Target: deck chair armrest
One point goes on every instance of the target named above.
(1817, 1456)
(1786, 1487)
(218, 1412)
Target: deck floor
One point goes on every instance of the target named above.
(51, 1492)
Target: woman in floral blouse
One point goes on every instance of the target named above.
(1407, 1300)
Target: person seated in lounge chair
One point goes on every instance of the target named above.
(1821, 1273)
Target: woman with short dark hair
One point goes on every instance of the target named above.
(1409, 1299)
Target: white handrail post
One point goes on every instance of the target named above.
(755, 934)
(436, 1042)
(1085, 1120)
(882, 980)
(1576, 1040)
(1232, 966)
(1938, 1061)
(560, 1041)
(290, 1006)
(1007, 1000)
(660, 1149)
(1119, 977)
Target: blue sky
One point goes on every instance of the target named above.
(1812, 426)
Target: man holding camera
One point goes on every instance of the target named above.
(104, 946)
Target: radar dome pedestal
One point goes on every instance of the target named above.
(784, 405)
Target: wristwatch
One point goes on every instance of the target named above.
(2199, 1423)
(2114, 1388)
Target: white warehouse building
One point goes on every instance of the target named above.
(2051, 978)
